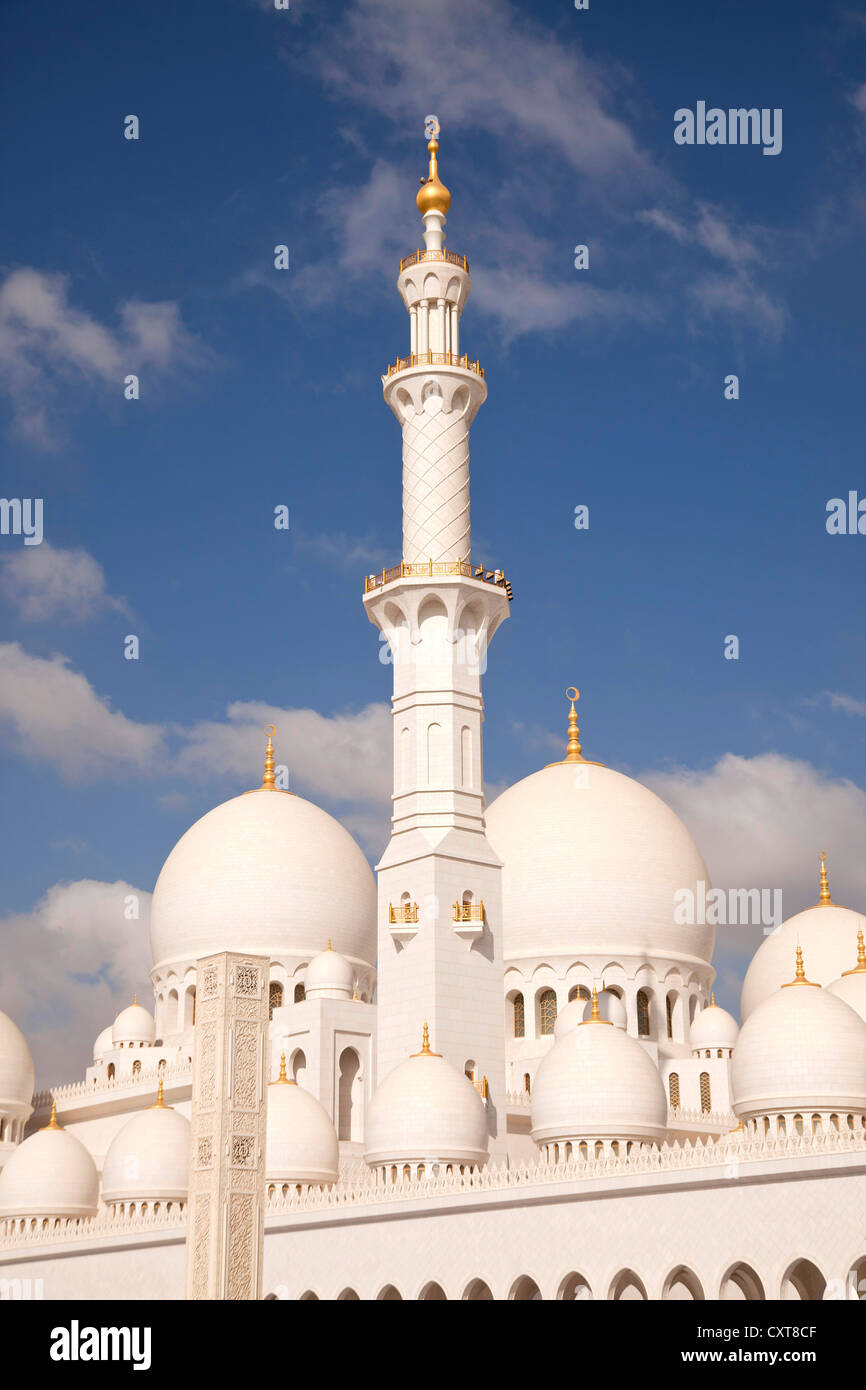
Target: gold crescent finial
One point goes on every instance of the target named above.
(433, 196)
(595, 1016)
(426, 1050)
(572, 752)
(160, 1097)
(269, 781)
(860, 967)
(713, 1000)
(52, 1123)
(824, 898)
(135, 999)
(282, 1079)
(800, 973)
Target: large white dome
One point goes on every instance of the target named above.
(50, 1174)
(16, 1066)
(592, 861)
(301, 1140)
(267, 873)
(425, 1110)
(148, 1159)
(800, 1050)
(828, 936)
(598, 1082)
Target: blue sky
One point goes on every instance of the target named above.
(259, 387)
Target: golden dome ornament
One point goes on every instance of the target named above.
(433, 196)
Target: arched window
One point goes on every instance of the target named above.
(519, 1018)
(300, 994)
(275, 997)
(798, 1124)
(674, 1090)
(469, 1070)
(834, 1123)
(527, 1083)
(816, 1124)
(136, 1068)
(111, 1071)
(578, 992)
(350, 1066)
(706, 1098)
(669, 1012)
(299, 1066)
(546, 1012)
(643, 1014)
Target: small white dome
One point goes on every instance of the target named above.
(801, 1049)
(16, 1066)
(50, 1174)
(827, 934)
(104, 1043)
(426, 1111)
(713, 1028)
(329, 976)
(267, 873)
(148, 1159)
(851, 985)
(302, 1143)
(598, 1082)
(133, 1025)
(570, 1017)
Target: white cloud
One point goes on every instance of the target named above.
(847, 703)
(857, 98)
(69, 965)
(53, 713)
(42, 582)
(760, 823)
(45, 341)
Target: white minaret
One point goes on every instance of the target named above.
(440, 912)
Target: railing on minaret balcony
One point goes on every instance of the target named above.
(469, 912)
(403, 912)
(435, 569)
(452, 258)
(434, 359)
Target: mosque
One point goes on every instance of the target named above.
(495, 1070)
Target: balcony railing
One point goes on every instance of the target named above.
(469, 912)
(417, 257)
(434, 569)
(404, 912)
(435, 359)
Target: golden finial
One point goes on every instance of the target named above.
(52, 1123)
(800, 973)
(824, 898)
(330, 947)
(595, 1016)
(713, 1000)
(355, 994)
(160, 1098)
(426, 1050)
(572, 752)
(860, 967)
(135, 999)
(269, 781)
(433, 196)
(282, 1079)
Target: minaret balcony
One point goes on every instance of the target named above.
(434, 359)
(434, 569)
(403, 921)
(468, 920)
(419, 256)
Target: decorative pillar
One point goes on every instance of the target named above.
(225, 1215)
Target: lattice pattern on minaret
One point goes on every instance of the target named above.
(435, 487)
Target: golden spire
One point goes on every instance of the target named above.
(860, 967)
(573, 752)
(713, 1000)
(824, 898)
(282, 1079)
(135, 999)
(160, 1098)
(426, 1050)
(433, 196)
(330, 947)
(595, 1016)
(800, 973)
(268, 781)
(52, 1123)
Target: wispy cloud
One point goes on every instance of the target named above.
(42, 583)
(46, 342)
